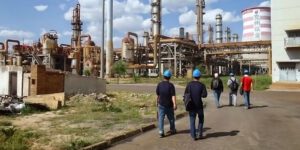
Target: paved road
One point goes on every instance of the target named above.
(273, 123)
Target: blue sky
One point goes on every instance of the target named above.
(27, 20)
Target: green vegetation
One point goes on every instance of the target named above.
(260, 82)
(12, 138)
(85, 120)
(119, 68)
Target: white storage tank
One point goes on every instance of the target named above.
(257, 24)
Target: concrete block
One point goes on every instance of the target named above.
(51, 101)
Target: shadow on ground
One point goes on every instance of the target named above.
(222, 134)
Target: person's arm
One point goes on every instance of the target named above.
(174, 97)
(174, 102)
(157, 93)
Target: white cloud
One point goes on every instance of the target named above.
(7, 33)
(41, 7)
(265, 4)
(187, 18)
(67, 33)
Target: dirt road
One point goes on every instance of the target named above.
(272, 123)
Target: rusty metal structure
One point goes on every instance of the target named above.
(82, 58)
(155, 53)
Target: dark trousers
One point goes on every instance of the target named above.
(193, 115)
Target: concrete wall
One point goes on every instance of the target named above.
(4, 79)
(26, 84)
(84, 85)
(284, 16)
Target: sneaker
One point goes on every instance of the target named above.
(246, 107)
(173, 131)
(161, 135)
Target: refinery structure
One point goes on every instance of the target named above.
(149, 55)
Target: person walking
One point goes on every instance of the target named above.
(217, 87)
(233, 85)
(246, 82)
(197, 91)
(166, 102)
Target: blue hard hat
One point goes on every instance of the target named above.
(196, 73)
(167, 74)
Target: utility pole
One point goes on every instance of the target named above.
(102, 43)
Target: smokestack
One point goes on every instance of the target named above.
(156, 17)
(235, 38)
(181, 33)
(109, 37)
(219, 30)
(210, 34)
(200, 12)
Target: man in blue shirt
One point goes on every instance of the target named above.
(166, 102)
(197, 91)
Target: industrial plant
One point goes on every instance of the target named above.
(24, 67)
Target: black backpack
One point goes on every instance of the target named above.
(188, 102)
(234, 85)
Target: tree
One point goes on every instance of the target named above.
(119, 68)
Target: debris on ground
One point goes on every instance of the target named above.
(11, 104)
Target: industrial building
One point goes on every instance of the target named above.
(285, 41)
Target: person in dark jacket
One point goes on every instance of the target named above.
(197, 91)
(166, 102)
(217, 87)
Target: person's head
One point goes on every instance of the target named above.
(246, 72)
(196, 74)
(167, 75)
(231, 74)
(216, 75)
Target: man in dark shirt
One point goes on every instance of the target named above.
(166, 102)
(197, 91)
(217, 88)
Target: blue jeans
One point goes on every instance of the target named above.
(193, 115)
(217, 95)
(247, 99)
(162, 111)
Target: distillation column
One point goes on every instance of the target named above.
(219, 30)
(200, 12)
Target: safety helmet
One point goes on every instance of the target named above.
(246, 71)
(167, 74)
(196, 73)
(231, 74)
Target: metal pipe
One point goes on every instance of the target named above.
(102, 43)
(109, 37)
(64, 45)
(10, 41)
(134, 35)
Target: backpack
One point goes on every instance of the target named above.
(188, 102)
(234, 85)
(215, 83)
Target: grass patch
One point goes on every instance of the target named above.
(260, 82)
(12, 138)
(87, 120)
